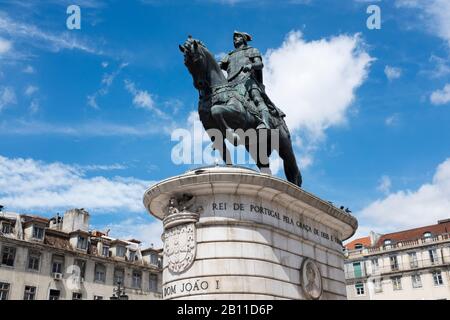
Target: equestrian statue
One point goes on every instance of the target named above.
(239, 103)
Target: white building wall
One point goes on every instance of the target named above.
(19, 276)
(425, 268)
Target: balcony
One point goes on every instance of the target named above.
(409, 244)
(359, 253)
(399, 267)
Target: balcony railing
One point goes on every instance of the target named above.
(399, 245)
(401, 267)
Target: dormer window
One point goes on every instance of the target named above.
(154, 259)
(120, 251)
(38, 232)
(6, 228)
(358, 246)
(105, 251)
(132, 255)
(427, 235)
(82, 243)
(387, 242)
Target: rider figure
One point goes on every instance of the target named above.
(245, 64)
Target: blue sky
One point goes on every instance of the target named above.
(86, 115)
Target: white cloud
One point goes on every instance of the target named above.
(392, 73)
(442, 67)
(384, 184)
(27, 184)
(140, 228)
(28, 69)
(7, 97)
(314, 82)
(106, 83)
(143, 99)
(92, 101)
(439, 97)
(392, 120)
(5, 46)
(411, 208)
(30, 90)
(34, 106)
(36, 37)
(436, 15)
(86, 129)
(101, 167)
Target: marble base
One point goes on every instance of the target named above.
(233, 233)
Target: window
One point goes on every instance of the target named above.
(375, 265)
(38, 232)
(413, 260)
(433, 256)
(118, 276)
(120, 251)
(132, 255)
(77, 296)
(394, 263)
(34, 258)
(30, 293)
(54, 294)
(427, 235)
(416, 281)
(137, 279)
(8, 256)
(397, 283)
(81, 264)
(437, 278)
(57, 264)
(359, 287)
(4, 291)
(358, 246)
(387, 242)
(154, 259)
(357, 269)
(153, 283)
(100, 272)
(6, 228)
(105, 251)
(377, 285)
(82, 243)
(98, 298)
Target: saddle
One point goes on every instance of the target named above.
(222, 94)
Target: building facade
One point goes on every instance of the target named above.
(60, 258)
(410, 264)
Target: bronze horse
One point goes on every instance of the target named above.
(222, 106)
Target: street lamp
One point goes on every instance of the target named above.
(119, 293)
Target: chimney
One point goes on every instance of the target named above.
(75, 219)
(374, 237)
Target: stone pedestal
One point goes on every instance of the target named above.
(233, 233)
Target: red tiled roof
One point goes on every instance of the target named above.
(364, 241)
(417, 233)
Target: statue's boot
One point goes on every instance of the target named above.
(264, 124)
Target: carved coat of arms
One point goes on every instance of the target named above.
(180, 234)
(180, 247)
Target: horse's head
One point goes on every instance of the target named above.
(201, 64)
(195, 61)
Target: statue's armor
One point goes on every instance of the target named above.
(235, 61)
(239, 58)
